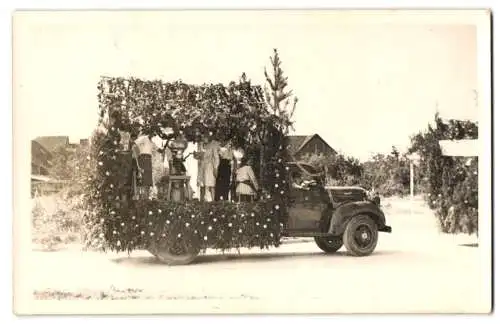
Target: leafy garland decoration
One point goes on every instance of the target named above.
(237, 113)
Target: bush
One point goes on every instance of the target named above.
(340, 170)
(451, 183)
(389, 175)
(57, 220)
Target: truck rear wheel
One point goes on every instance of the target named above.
(329, 244)
(179, 252)
(361, 235)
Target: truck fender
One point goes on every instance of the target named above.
(344, 213)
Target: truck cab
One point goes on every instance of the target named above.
(333, 215)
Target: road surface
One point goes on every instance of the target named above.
(414, 269)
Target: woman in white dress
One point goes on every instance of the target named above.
(209, 163)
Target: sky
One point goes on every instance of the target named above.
(364, 83)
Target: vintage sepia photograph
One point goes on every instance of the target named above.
(252, 162)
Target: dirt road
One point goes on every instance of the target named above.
(414, 269)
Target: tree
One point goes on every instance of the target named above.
(450, 182)
(63, 164)
(277, 98)
(340, 170)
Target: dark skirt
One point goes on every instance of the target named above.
(146, 165)
(245, 198)
(125, 162)
(222, 184)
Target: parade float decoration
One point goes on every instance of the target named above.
(236, 112)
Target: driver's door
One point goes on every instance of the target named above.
(306, 208)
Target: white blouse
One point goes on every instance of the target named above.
(145, 145)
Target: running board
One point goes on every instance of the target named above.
(305, 234)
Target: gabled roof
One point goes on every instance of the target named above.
(52, 142)
(297, 142)
(39, 152)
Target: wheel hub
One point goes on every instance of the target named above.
(363, 236)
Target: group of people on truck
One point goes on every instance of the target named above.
(222, 173)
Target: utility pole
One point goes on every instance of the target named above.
(414, 159)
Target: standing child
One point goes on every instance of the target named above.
(246, 183)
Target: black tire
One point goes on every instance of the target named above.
(178, 253)
(361, 236)
(329, 244)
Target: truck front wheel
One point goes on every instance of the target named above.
(361, 235)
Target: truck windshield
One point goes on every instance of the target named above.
(309, 168)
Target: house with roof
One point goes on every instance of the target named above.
(40, 159)
(300, 145)
(52, 143)
(44, 150)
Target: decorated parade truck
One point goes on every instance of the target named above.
(293, 199)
